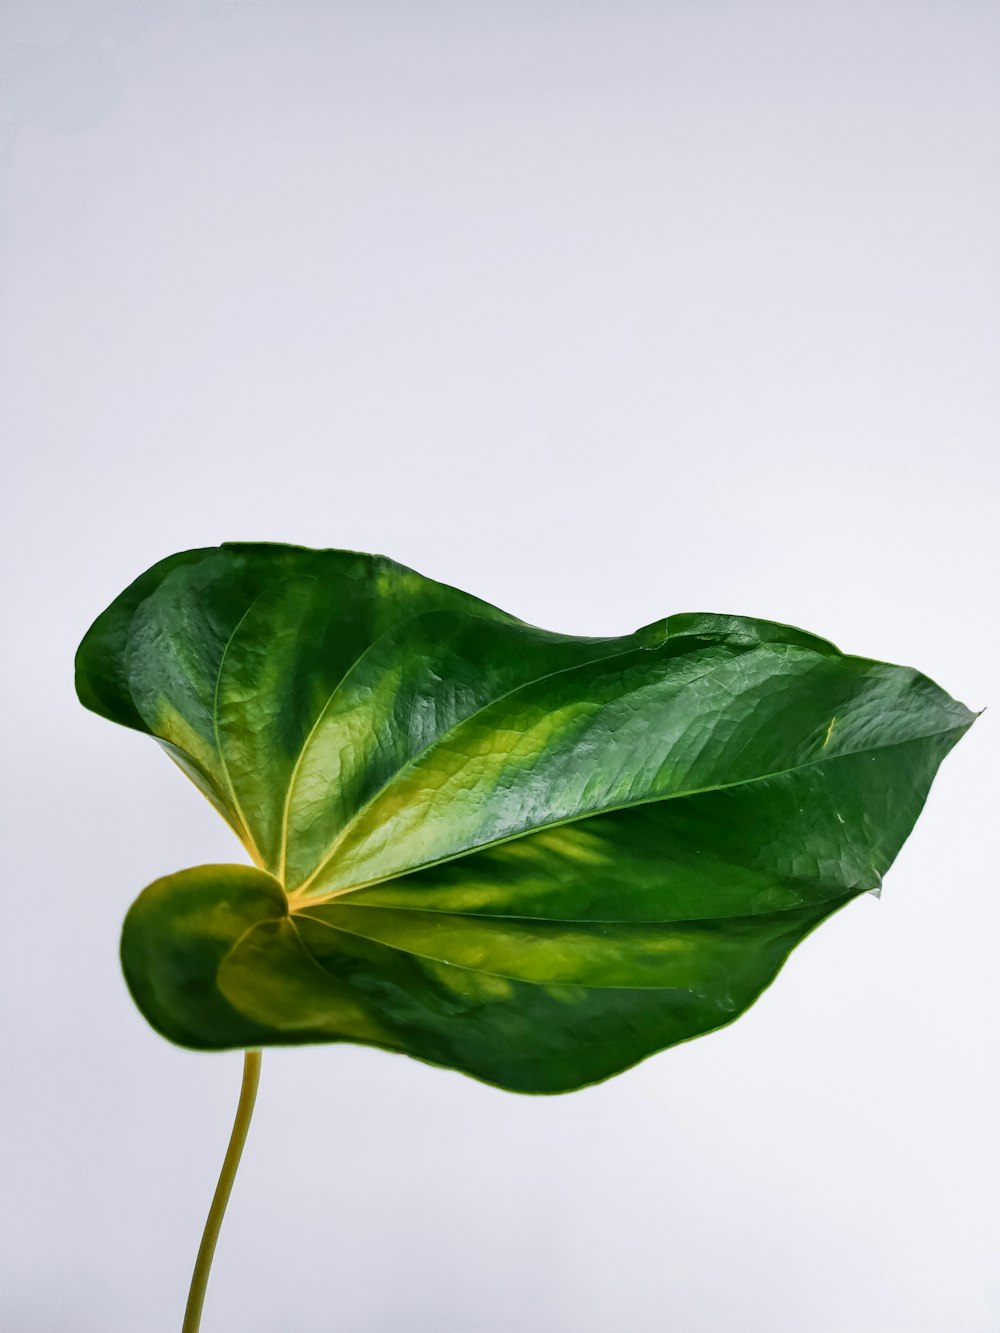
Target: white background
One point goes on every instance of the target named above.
(600, 311)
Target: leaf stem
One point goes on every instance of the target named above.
(206, 1250)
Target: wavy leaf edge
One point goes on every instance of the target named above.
(475, 751)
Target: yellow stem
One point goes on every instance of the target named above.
(206, 1250)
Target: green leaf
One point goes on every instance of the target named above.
(533, 857)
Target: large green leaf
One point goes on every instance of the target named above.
(533, 857)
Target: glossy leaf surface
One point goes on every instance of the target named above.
(532, 857)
